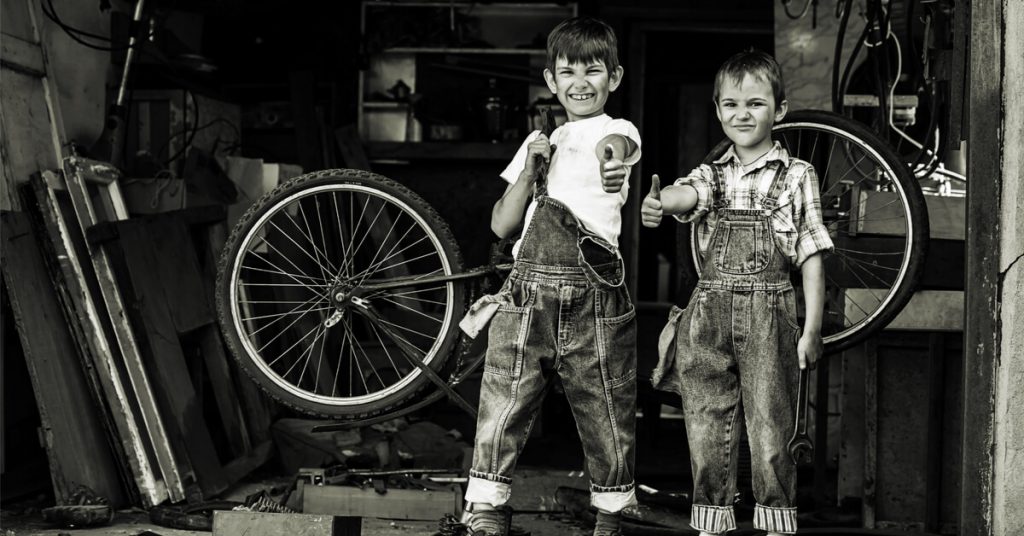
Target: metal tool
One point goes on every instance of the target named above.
(801, 449)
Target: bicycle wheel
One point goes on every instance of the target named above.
(332, 284)
(876, 216)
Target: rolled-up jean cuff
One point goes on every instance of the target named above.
(775, 518)
(612, 499)
(488, 489)
(713, 519)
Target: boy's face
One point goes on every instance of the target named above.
(582, 88)
(748, 110)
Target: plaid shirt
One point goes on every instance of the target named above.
(799, 229)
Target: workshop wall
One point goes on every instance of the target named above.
(1009, 418)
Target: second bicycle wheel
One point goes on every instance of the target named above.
(331, 285)
(875, 214)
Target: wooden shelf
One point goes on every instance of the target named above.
(456, 50)
(385, 105)
(441, 150)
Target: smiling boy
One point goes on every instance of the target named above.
(738, 347)
(564, 311)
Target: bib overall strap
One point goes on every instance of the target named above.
(771, 199)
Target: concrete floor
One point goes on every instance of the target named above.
(533, 501)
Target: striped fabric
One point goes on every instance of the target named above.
(799, 229)
(775, 519)
(713, 519)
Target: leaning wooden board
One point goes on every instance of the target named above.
(72, 429)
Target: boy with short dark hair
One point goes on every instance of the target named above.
(737, 348)
(564, 309)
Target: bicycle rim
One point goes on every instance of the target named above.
(298, 307)
(876, 217)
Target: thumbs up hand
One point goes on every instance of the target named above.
(613, 172)
(651, 211)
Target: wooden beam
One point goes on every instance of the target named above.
(72, 423)
(76, 171)
(981, 308)
(152, 489)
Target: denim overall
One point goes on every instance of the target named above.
(563, 310)
(736, 355)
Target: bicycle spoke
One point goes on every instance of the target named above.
(275, 315)
(859, 278)
(278, 272)
(319, 326)
(283, 256)
(407, 261)
(376, 267)
(296, 308)
(346, 262)
(409, 330)
(286, 328)
(323, 269)
(304, 356)
(410, 296)
(369, 363)
(309, 238)
(421, 313)
(376, 333)
(372, 223)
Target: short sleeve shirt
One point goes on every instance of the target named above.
(574, 176)
(799, 229)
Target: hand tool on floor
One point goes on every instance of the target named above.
(800, 447)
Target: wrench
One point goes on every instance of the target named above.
(801, 449)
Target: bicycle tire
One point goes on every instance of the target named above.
(263, 235)
(915, 222)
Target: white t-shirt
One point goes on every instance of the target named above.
(574, 177)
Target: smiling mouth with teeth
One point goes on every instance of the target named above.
(581, 97)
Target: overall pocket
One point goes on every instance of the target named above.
(506, 336)
(744, 247)
(616, 346)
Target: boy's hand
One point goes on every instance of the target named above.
(538, 150)
(650, 211)
(809, 349)
(613, 172)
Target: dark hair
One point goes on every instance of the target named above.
(754, 63)
(583, 40)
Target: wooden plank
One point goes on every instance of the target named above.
(982, 329)
(252, 402)
(255, 427)
(231, 415)
(868, 504)
(27, 94)
(72, 427)
(178, 267)
(437, 150)
(22, 56)
(395, 504)
(76, 171)
(145, 285)
(936, 417)
(232, 523)
(152, 489)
